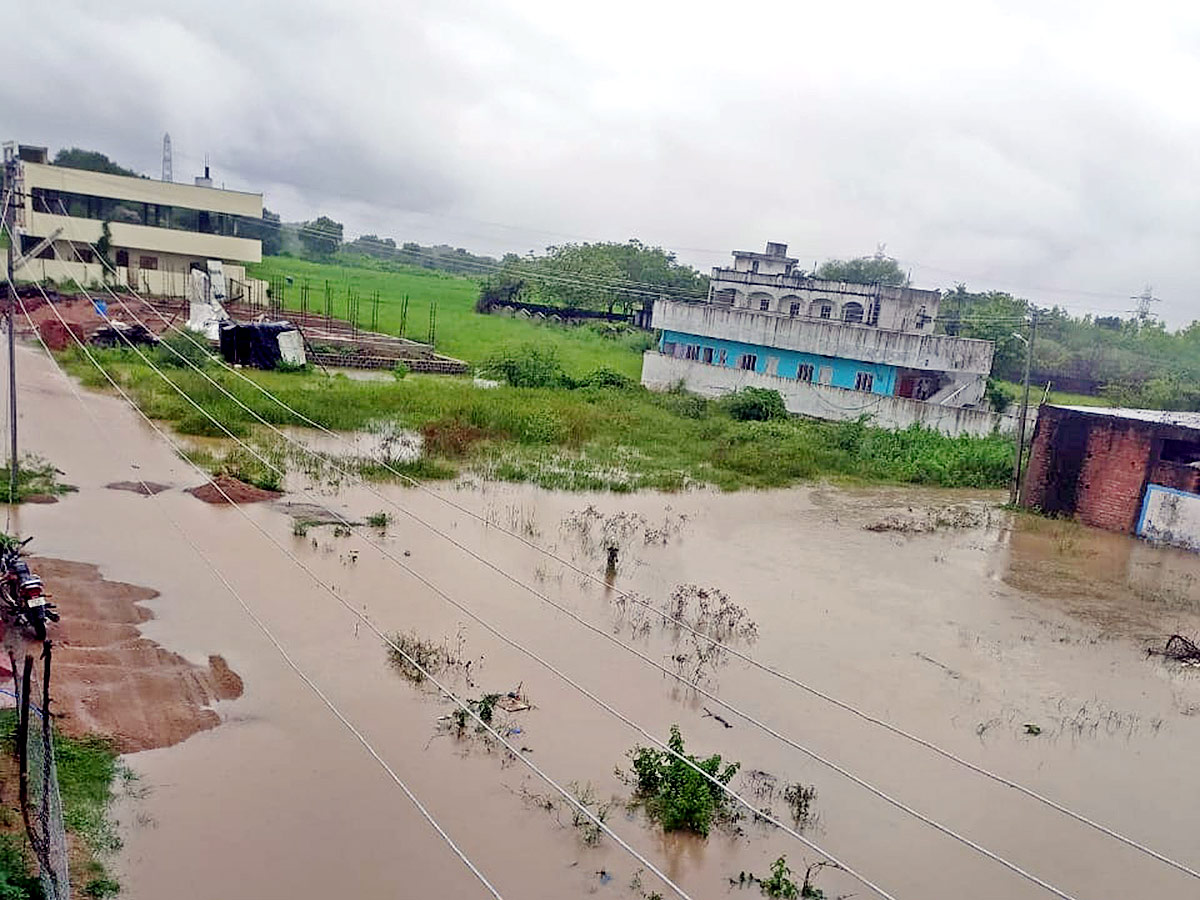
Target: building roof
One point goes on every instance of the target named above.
(1153, 416)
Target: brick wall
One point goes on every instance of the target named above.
(1180, 476)
(1089, 466)
(1114, 473)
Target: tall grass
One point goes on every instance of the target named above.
(461, 331)
(590, 438)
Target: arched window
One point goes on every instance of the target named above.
(852, 312)
(760, 301)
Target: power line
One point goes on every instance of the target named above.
(463, 705)
(726, 705)
(999, 779)
(468, 612)
(272, 638)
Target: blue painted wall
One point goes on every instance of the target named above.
(844, 370)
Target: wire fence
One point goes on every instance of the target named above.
(40, 797)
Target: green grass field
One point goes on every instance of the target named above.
(461, 332)
(591, 438)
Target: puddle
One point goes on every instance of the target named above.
(964, 634)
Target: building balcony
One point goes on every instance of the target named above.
(822, 337)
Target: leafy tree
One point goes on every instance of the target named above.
(877, 269)
(373, 245)
(601, 276)
(321, 237)
(92, 161)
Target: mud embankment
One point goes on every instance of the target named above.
(109, 679)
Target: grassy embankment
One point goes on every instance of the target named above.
(614, 438)
(461, 332)
(1061, 398)
(87, 771)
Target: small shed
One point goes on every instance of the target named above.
(1130, 470)
(262, 345)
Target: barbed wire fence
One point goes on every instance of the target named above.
(40, 798)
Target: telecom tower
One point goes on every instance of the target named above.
(166, 176)
(1144, 299)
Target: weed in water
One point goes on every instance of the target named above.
(379, 520)
(799, 798)
(674, 793)
(35, 478)
(417, 655)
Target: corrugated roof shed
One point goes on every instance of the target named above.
(1154, 416)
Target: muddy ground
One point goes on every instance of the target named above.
(108, 678)
(963, 632)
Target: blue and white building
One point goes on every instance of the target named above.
(832, 349)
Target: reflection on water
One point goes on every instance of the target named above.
(963, 632)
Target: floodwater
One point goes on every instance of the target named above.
(962, 634)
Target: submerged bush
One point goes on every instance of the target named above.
(676, 795)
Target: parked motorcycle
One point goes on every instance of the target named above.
(23, 597)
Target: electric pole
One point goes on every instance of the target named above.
(10, 171)
(1015, 492)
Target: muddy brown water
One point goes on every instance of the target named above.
(963, 635)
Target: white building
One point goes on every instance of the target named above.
(832, 349)
(160, 231)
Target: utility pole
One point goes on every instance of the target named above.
(1015, 492)
(10, 171)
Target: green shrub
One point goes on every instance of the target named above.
(605, 377)
(752, 404)
(16, 880)
(529, 366)
(400, 371)
(675, 795)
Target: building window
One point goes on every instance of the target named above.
(922, 317)
(668, 348)
(794, 309)
(722, 358)
(804, 372)
(864, 381)
(852, 312)
(725, 297)
(754, 265)
(748, 361)
(764, 304)
(873, 313)
(826, 311)
(692, 351)
(706, 355)
(148, 262)
(122, 257)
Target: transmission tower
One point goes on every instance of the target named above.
(166, 175)
(1144, 299)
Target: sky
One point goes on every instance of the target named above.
(1050, 149)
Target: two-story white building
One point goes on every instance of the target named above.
(160, 230)
(834, 350)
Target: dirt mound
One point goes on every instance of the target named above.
(145, 488)
(110, 680)
(226, 486)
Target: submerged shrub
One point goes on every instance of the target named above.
(675, 794)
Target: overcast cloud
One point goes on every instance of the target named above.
(1047, 148)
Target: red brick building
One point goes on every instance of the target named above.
(1097, 464)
